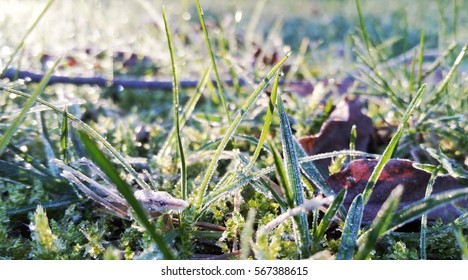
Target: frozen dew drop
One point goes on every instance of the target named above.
(186, 16)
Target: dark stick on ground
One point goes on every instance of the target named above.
(305, 87)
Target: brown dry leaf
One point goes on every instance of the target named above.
(335, 132)
(396, 172)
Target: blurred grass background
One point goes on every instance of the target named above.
(74, 27)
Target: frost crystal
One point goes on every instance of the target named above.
(159, 201)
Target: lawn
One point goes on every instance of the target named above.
(237, 130)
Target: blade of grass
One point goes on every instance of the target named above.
(312, 174)
(423, 236)
(29, 103)
(64, 136)
(106, 166)
(186, 113)
(352, 141)
(256, 16)
(213, 62)
(417, 209)
(12, 172)
(461, 240)
(46, 143)
(442, 24)
(23, 40)
(224, 47)
(266, 125)
(232, 128)
(35, 163)
(327, 219)
(455, 20)
(372, 63)
(282, 176)
(294, 182)
(448, 165)
(257, 175)
(264, 182)
(411, 74)
(439, 61)
(91, 132)
(52, 205)
(443, 84)
(387, 154)
(175, 99)
(380, 225)
(308, 205)
(247, 233)
(421, 59)
(351, 229)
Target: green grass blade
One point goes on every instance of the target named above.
(372, 64)
(328, 218)
(380, 224)
(387, 154)
(448, 165)
(232, 128)
(312, 174)
(106, 166)
(262, 183)
(351, 229)
(247, 233)
(186, 113)
(455, 20)
(411, 74)
(46, 143)
(364, 30)
(293, 173)
(352, 141)
(52, 205)
(423, 236)
(421, 59)
(266, 125)
(175, 91)
(453, 70)
(64, 136)
(23, 40)
(282, 176)
(35, 163)
(417, 209)
(242, 180)
(91, 132)
(255, 18)
(461, 240)
(29, 103)
(213, 62)
(253, 176)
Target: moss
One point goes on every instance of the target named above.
(45, 244)
(441, 245)
(11, 247)
(234, 226)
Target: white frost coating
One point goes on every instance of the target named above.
(159, 201)
(155, 202)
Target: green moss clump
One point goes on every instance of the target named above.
(45, 244)
(441, 245)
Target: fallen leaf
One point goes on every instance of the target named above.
(396, 172)
(335, 132)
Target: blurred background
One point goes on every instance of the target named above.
(90, 30)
